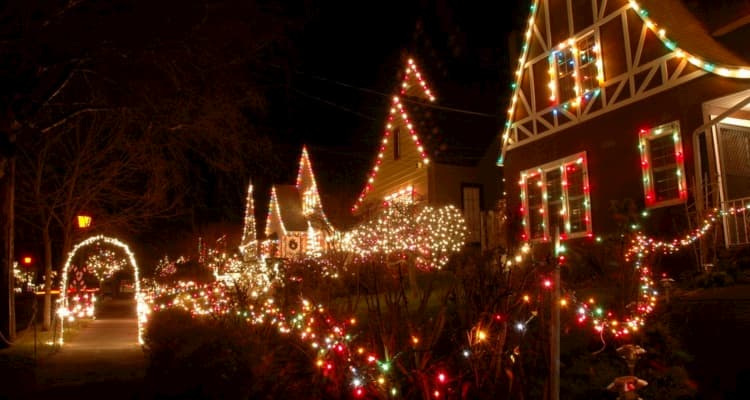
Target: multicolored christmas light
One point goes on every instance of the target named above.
(730, 71)
(538, 176)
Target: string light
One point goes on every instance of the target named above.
(398, 109)
(63, 309)
(721, 69)
(248, 244)
(729, 71)
(430, 234)
(312, 211)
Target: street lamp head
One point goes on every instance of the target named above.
(27, 260)
(84, 221)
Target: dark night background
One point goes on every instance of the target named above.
(327, 85)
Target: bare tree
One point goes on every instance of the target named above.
(182, 90)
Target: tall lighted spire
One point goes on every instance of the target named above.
(248, 245)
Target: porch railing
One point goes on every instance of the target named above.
(737, 221)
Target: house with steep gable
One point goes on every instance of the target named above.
(430, 154)
(296, 226)
(646, 100)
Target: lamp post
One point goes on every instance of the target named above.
(84, 221)
(627, 386)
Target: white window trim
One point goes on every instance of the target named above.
(644, 139)
(542, 169)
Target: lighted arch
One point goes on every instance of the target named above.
(141, 309)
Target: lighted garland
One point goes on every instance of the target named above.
(63, 309)
(708, 66)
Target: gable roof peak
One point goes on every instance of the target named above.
(414, 84)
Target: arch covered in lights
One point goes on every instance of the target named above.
(63, 300)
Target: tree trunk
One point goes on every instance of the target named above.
(47, 321)
(7, 306)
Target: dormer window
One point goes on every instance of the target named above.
(309, 202)
(575, 70)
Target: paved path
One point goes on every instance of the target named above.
(103, 359)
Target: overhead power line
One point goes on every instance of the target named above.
(332, 104)
(388, 96)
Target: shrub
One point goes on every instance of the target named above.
(223, 357)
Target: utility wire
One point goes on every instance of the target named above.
(366, 90)
(386, 95)
(332, 104)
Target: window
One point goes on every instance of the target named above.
(471, 202)
(404, 196)
(575, 69)
(556, 196)
(396, 149)
(662, 165)
(309, 201)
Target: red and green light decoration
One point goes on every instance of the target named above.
(536, 176)
(730, 71)
(397, 109)
(645, 136)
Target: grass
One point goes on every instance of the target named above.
(18, 362)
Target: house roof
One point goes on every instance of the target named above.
(290, 207)
(443, 134)
(687, 30)
(691, 29)
(684, 27)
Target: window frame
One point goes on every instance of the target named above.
(540, 173)
(571, 45)
(645, 137)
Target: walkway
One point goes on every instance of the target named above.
(103, 359)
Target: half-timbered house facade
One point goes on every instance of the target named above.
(646, 100)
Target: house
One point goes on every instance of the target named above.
(296, 225)
(431, 153)
(647, 100)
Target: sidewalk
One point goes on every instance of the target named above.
(103, 360)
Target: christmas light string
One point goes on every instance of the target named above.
(730, 71)
(398, 109)
(64, 309)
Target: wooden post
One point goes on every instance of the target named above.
(554, 342)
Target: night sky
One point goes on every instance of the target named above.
(348, 60)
